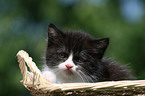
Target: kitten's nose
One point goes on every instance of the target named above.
(68, 66)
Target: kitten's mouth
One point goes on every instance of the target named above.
(68, 72)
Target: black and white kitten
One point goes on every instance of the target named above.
(74, 56)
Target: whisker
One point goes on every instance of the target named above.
(85, 76)
(90, 78)
(81, 77)
(89, 75)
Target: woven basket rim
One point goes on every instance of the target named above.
(37, 82)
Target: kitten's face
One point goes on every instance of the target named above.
(74, 56)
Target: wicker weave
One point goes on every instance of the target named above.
(38, 86)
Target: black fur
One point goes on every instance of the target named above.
(88, 54)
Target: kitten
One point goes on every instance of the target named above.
(74, 56)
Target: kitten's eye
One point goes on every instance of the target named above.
(62, 55)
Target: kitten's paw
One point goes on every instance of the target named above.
(49, 76)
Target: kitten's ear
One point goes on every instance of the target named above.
(53, 31)
(100, 45)
(54, 34)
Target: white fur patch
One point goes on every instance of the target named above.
(48, 75)
(66, 75)
(69, 61)
(61, 74)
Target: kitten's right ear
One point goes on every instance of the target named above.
(53, 31)
(54, 35)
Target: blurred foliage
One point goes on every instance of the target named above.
(23, 25)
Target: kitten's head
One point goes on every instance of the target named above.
(75, 56)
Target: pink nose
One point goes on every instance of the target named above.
(68, 66)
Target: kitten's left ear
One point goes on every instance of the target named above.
(100, 45)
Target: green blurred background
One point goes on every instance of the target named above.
(24, 23)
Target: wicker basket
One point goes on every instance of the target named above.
(38, 86)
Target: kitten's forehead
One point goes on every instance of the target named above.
(77, 41)
(77, 36)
